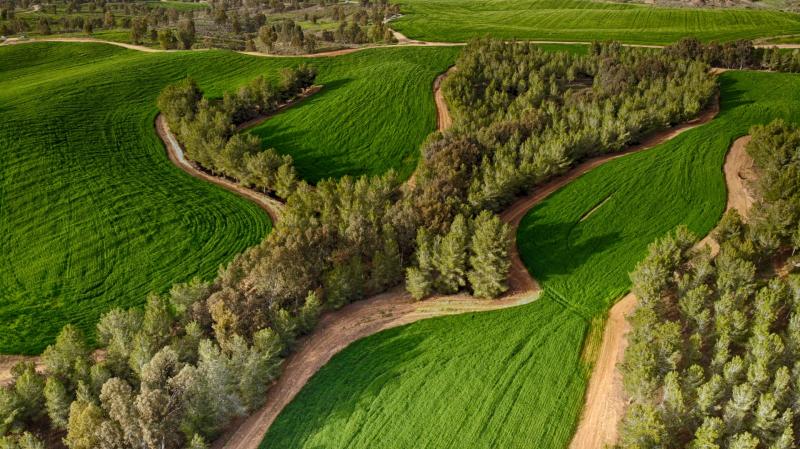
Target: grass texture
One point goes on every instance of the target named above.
(515, 378)
(94, 216)
(372, 114)
(585, 20)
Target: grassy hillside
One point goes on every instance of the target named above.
(95, 216)
(585, 20)
(372, 114)
(509, 378)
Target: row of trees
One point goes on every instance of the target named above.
(713, 360)
(207, 128)
(741, 54)
(473, 253)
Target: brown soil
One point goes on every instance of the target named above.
(271, 206)
(443, 118)
(605, 397)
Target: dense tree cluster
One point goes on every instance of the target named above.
(524, 115)
(714, 355)
(207, 128)
(739, 54)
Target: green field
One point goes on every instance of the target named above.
(510, 378)
(585, 20)
(333, 134)
(95, 216)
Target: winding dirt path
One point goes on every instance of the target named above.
(340, 328)
(271, 206)
(443, 118)
(402, 41)
(605, 396)
(519, 277)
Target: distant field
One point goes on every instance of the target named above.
(95, 216)
(515, 378)
(585, 20)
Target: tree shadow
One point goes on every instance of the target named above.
(557, 249)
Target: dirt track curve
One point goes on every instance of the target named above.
(402, 41)
(271, 206)
(605, 396)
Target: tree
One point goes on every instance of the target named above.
(108, 20)
(186, 33)
(450, 258)
(167, 39)
(138, 29)
(489, 262)
(85, 419)
(116, 399)
(88, 28)
(29, 389)
(57, 402)
(68, 358)
(419, 279)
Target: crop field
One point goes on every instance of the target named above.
(585, 20)
(95, 216)
(513, 377)
(375, 109)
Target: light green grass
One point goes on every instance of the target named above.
(585, 20)
(332, 133)
(515, 378)
(178, 5)
(95, 216)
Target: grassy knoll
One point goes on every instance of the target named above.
(94, 216)
(513, 377)
(584, 20)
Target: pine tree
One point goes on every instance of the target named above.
(450, 257)
(709, 434)
(57, 402)
(419, 279)
(489, 262)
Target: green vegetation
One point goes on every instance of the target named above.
(96, 216)
(585, 20)
(506, 378)
(332, 133)
(713, 354)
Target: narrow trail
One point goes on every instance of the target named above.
(271, 206)
(402, 41)
(605, 397)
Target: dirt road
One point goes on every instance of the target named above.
(271, 206)
(443, 118)
(605, 396)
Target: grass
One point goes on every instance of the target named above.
(95, 216)
(509, 378)
(178, 5)
(333, 134)
(585, 20)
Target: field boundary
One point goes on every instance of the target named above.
(605, 401)
(402, 42)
